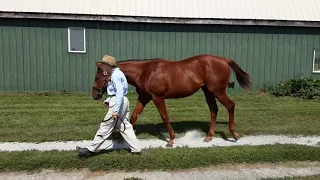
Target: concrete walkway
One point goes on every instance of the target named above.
(192, 139)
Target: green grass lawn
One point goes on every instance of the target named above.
(76, 116)
(37, 117)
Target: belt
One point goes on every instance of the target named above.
(115, 95)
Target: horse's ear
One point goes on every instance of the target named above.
(99, 64)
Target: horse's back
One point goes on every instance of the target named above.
(197, 65)
(175, 78)
(181, 78)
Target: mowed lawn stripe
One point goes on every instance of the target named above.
(48, 116)
(157, 159)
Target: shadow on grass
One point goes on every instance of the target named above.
(107, 151)
(158, 130)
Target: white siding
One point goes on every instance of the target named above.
(307, 10)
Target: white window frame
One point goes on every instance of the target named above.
(314, 59)
(84, 40)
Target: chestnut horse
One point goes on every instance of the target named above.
(160, 79)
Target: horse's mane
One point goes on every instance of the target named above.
(127, 60)
(153, 59)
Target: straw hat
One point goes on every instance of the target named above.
(109, 60)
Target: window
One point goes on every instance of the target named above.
(77, 39)
(316, 61)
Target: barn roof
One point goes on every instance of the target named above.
(174, 11)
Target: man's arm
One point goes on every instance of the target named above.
(119, 93)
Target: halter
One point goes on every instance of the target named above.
(101, 89)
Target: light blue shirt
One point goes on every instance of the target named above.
(117, 86)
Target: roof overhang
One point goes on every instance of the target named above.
(159, 19)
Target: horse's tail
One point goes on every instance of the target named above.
(242, 77)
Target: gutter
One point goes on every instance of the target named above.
(168, 20)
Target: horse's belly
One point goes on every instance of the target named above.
(183, 90)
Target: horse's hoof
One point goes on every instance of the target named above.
(207, 139)
(169, 145)
(236, 138)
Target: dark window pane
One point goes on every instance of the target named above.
(77, 39)
(316, 65)
(317, 56)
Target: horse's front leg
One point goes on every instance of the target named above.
(142, 101)
(161, 106)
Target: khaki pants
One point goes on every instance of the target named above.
(123, 124)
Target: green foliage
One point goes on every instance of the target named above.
(298, 86)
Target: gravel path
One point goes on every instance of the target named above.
(227, 172)
(192, 139)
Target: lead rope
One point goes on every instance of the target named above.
(114, 127)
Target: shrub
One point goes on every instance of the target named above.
(302, 87)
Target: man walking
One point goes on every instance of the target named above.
(118, 113)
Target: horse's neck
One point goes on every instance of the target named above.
(133, 73)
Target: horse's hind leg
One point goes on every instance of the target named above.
(161, 106)
(230, 105)
(211, 101)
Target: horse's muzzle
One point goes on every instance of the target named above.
(96, 97)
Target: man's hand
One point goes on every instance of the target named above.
(106, 102)
(115, 115)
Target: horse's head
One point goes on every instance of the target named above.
(101, 80)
